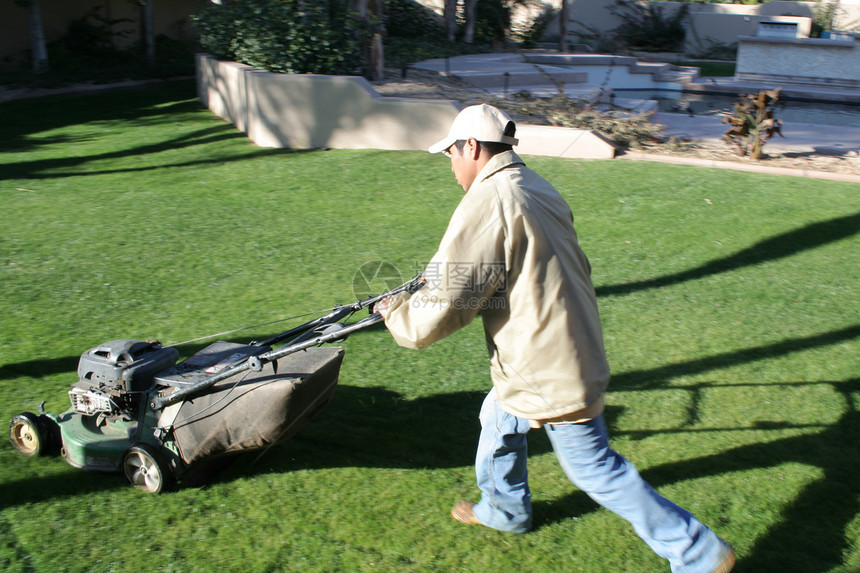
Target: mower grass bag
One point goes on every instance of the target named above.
(251, 410)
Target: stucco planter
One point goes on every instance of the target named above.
(305, 111)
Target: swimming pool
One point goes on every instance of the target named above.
(790, 110)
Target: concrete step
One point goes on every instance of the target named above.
(514, 79)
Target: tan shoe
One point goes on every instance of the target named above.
(727, 563)
(463, 511)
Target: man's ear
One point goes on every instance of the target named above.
(472, 149)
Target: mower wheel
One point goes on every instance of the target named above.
(28, 434)
(144, 467)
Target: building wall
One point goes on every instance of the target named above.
(717, 23)
(170, 17)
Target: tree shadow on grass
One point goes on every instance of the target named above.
(380, 428)
(638, 379)
(142, 106)
(69, 483)
(810, 535)
(377, 427)
(381, 412)
(57, 168)
(777, 247)
(360, 427)
(25, 117)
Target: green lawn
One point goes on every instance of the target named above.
(730, 308)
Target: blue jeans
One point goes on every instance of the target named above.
(609, 479)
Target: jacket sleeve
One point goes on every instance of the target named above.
(467, 269)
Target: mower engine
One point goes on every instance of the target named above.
(114, 375)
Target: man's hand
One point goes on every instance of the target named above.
(382, 307)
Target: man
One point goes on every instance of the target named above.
(511, 253)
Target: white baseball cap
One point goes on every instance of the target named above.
(482, 122)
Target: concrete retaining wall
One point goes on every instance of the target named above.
(345, 112)
(803, 60)
(312, 111)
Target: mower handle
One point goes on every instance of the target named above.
(340, 311)
(256, 362)
(304, 329)
(410, 286)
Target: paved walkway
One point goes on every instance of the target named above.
(489, 72)
(797, 137)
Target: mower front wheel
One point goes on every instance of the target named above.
(144, 467)
(29, 434)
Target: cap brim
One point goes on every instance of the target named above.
(442, 144)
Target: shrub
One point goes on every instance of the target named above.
(752, 123)
(492, 22)
(90, 43)
(415, 33)
(96, 49)
(644, 27)
(532, 32)
(822, 18)
(287, 36)
(409, 19)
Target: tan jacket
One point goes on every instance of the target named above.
(511, 253)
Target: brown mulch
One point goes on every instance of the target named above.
(429, 85)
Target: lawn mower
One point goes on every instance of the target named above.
(135, 410)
